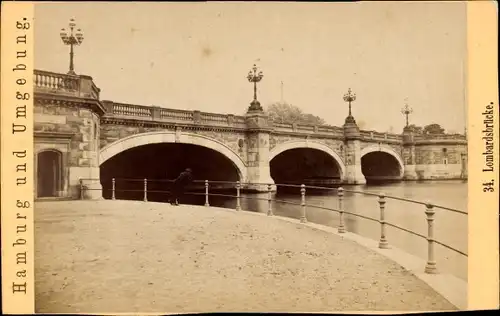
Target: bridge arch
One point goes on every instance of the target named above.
(142, 139)
(385, 149)
(312, 145)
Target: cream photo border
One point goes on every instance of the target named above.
(17, 200)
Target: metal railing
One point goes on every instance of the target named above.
(383, 243)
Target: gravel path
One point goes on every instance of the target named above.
(124, 256)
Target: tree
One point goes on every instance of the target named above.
(415, 129)
(287, 113)
(433, 129)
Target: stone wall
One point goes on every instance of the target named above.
(439, 172)
(397, 147)
(435, 160)
(73, 123)
(433, 154)
(234, 140)
(440, 161)
(72, 129)
(408, 154)
(337, 145)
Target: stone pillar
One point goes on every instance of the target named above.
(354, 175)
(258, 170)
(463, 162)
(409, 156)
(67, 121)
(85, 158)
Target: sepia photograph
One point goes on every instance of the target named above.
(250, 157)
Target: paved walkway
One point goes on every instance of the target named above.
(123, 256)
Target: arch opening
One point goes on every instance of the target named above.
(160, 162)
(49, 174)
(307, 166)
(381, 167)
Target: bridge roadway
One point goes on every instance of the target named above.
(129, 256)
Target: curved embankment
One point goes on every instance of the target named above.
(124, 256)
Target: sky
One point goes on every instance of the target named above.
(196, 56)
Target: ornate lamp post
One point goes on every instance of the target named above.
(350, 97)
(255, 77)
(71, 39)
(406, 111)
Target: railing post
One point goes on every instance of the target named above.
(269, 200)
(430, 267)
(145, 190)
(206, 193)
(113, 189)
(383, 244)
(303, 218)
(238, 187)
(81, 189)
(340, 192)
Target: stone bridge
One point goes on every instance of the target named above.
(80, 136)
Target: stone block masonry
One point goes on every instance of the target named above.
(70, 130)
(75, 132)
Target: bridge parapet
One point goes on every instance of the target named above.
(155, 113)
(440, 137)
(421, 139)
(308, 129)
(79, 86)
(377, 136)
(82, 86)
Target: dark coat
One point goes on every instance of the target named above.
(184, 179)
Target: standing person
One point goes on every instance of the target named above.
(184, 179)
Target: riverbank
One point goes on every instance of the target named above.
(127, 256)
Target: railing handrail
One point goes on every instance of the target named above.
(430, 267)
(307, 187)
(51, 73)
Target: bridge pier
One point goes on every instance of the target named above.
(92, 188)
(258, 169)
(354, 175)
(410, 173)
(410, 170)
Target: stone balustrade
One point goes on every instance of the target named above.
(82, 86)
(309, 129)
(372, 135)
(121, 109)
(388, 137)
(436, 139)
(154, 113)
(440, 136)
(64, 84)
(177, 115)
